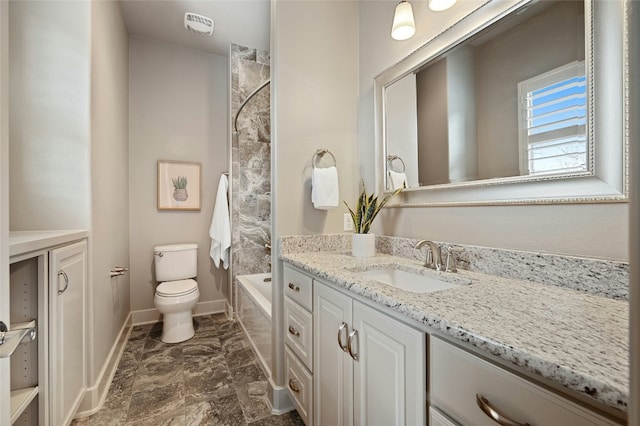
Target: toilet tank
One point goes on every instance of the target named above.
(175, 262)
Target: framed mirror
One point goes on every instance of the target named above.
(518, 102)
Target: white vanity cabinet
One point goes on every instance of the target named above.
(368, 368)
(298, 323)
(67, 283)
(457, 379)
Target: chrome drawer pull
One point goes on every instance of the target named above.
(294, 331)
(293, 387)
(66, 281)
(494, 414)
(353, 334)
(342, 328)
(294, 287)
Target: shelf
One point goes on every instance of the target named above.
(20, 400)
(23, 325)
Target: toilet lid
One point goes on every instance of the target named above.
(176, 288)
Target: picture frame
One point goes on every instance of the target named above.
(179, 185)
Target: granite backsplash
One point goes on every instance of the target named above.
(596, 276)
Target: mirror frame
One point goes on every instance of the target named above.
(606, 62)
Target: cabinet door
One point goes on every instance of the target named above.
(389, 372)
(68, 274)
(332, 367)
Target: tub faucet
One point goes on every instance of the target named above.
(433, 259)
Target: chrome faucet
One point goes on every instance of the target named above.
(434, 258)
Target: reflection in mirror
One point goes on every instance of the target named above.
(509, 101)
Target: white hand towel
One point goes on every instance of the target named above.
(325, 193)
(397, 180)
(220, 229)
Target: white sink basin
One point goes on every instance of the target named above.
(408, 281)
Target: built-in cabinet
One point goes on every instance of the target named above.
(67, 286)
(346, 362)
(47, 285)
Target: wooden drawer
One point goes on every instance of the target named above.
(457, 376)
(298, 286)
(300, 384)
(298, 324)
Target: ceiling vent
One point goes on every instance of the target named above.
(198, 24)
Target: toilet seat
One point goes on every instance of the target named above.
(176, 288)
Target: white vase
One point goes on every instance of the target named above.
(363, 245)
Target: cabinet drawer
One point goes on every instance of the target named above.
(300, 385)
(436, 418)
(457, 376)
(298, 286)
(298, 324)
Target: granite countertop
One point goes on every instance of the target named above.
(575, 339)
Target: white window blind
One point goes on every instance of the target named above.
(552, 121)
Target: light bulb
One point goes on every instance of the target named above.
(404, 26)
(440, 5)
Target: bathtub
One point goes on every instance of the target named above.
(253, 311)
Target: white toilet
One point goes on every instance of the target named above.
(177, 293)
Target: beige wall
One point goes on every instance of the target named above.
(433, 132)
(314, 104)
(177, 111)
(315, 107)
(49, 108)
(587, 230)
(109, 245)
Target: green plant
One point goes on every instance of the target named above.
(367, 209)
(180, 182)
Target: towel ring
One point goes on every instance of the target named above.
(391, 159)
(317, 156)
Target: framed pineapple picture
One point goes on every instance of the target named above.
(178, 185)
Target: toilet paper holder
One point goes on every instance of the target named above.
(118, 270)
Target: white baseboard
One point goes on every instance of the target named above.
(95, 395)
(146, 316)
(279, 398)
(228, 309)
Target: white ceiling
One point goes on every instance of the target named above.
(244, 22)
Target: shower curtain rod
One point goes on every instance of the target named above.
(235, 120)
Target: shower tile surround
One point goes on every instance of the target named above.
(543, 313)
(251, 162)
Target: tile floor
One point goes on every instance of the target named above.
(212, 379)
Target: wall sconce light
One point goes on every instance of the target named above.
(404, 27)
(440, 5)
